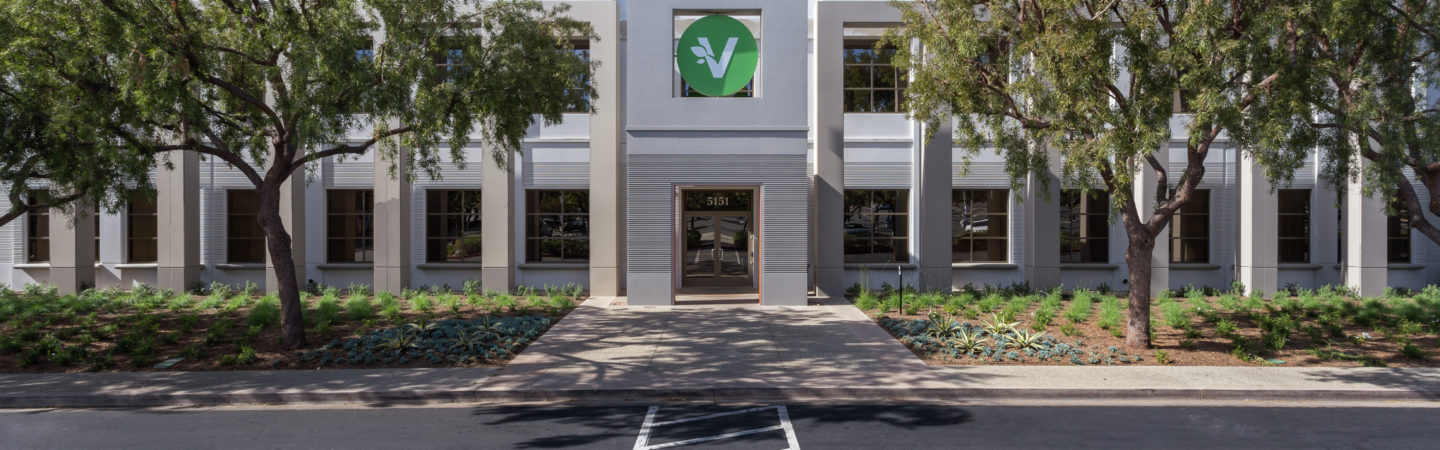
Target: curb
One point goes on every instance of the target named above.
(696, 394)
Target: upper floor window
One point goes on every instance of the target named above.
(1397, 238)
(579, 101)
(350, 225)
(557, 226)
(1293, 224)
(452, 226)
(876, 226)
(872, 83)
(1190, 230)
(244, 240)
(141, 226)
(1084, 226)
(979, 225)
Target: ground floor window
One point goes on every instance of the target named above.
(141, 227)
(1293, 222)
(1084, 226)
(350, 225)
(37, 232)
(979, 225)
(876, 226)
(452, 226)
(557, 226)
(1190, 230)
(244, 240)
(1398, 233)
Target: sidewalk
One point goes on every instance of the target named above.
(831, 352)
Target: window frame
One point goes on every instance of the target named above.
(37, 231)
(1177, 240)
(900, 82)
(957, 217)
(1399, 220)
(365, 225)
(1086, 201)
(1281, 213)
(533, 242)
(899, 212)
(431, 217)
(230, 237)
(579, 104)
(130, 227)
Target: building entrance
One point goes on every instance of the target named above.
(718, 236)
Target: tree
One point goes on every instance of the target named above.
(1096, 82)
(1371, 64)
(40, 144)
(271, 87)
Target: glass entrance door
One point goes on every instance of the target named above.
(718, 239)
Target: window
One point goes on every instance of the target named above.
(579, 102)
(1294, 226)
(1190, 230)
(141, 227)
(876, 226)
(872, 83)
(980, 225)
(452, 226)
(349, 226)
(1084, 226)
(450, 59)
(244, 240)
(1397, 242)
(37, 233)
(557, 226)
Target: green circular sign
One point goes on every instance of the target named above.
(717, 55)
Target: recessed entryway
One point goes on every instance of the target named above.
(718, 246)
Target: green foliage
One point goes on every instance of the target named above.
(1163, 357)
(1080, 306)
(327, 310)
(866, 300)
(1412, 351)
(943, 326)
(358, 307)
(1111, 313)
(421, 302)
(1000, 325)
(265, 313)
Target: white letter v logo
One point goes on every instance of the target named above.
(717, 68)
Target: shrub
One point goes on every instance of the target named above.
(1412, 351)
(421, 302)
(1080, 307)
(358, 307)
(265, 313)
(471, 287)
(1110, 313)
(866, 300)
(328, 310)
(1177, 316)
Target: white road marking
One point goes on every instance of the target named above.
(643, 442)
(640, 443)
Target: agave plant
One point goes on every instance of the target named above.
(399, 342)
(999, 327)
(968, 342)
(470, 342)
(943, 327)
(1024, 339)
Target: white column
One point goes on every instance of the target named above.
(72, 248)
(392, 223)
(1042, 225)
(1145, 186)
(292, 214)
(606, 237)
(1365, 239)
(933, 187)
(829, 154)
(1257, 244)
(497, 195)
(177, 205)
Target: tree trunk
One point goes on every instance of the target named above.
(277, 241)
(1137, 256)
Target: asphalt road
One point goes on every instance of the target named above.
(870, 426)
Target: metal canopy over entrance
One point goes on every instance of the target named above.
(718, 245)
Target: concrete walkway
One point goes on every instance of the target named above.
(727, 353)
(715, 347)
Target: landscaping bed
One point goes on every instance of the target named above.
(1197, 327)
(222, 328)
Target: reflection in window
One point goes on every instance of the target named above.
(980, 226)
(872, 83)
(350, 225)
(244, 240)
(1397, 238)
(452, 226)
(141, 225)
(1084, 226)
(876, 226)
(557, 226)
(579, 101)
(1190, 230)
(1293, 226)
